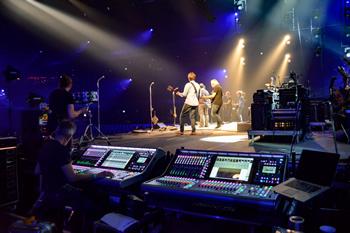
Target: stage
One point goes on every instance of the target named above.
(225, 139)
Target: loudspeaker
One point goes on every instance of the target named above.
(8, 171)
(261, 116)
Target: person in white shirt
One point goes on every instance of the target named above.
(203, 108)
(191, 92)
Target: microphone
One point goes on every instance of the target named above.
(99, 79)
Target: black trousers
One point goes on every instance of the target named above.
(191, 111)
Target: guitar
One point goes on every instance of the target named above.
(173, 111)
(155, 119)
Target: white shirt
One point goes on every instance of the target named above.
(190, 93)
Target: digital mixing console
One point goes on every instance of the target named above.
(232, 177)
(129, 165)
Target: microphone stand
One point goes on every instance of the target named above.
(151, 105)
(98, 105)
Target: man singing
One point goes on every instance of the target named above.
(216, 103)
(191, 92)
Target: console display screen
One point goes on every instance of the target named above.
(141, 160)
(118, 158)
(232, 168)
(269, 169)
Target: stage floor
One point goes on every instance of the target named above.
(223, 139)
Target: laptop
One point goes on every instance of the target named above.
(314, 176)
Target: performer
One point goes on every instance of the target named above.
(216, 103)
(341, 107)
(203, 107)
(227, 107)
(240, 105)
(191, 92)
(61, 104)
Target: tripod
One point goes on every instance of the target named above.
(88, 135)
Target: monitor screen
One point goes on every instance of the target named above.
(118, 158)
(269, 169)
(95, 152)
(232, 168)
(317, 167)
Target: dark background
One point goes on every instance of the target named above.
(189, 35)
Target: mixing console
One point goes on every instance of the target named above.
(128, 165)
(235, 177)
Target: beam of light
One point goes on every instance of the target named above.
(283, 69)
(226, 139)
(123, 85)
(234, 71)
(144, 37)
(271, 61)
(72, 30)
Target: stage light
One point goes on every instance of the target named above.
(347, 52)
(242, 60)
(226, 76)
(224, 70)
(236, 14)
(88, 42)
(130, 79)
(287, 56)
(151, 30)
(123, 111)
(261, 53)
(125, 68)
(287, 37)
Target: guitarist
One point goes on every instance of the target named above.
(191, 93)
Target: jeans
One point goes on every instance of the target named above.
(203, 111)
(191, 111)
(215, 109)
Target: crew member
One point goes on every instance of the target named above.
(240, 105)
(57, 174)
(227, 107)
(191, 92)
(203, 107)
(216, 97)
(61, 104)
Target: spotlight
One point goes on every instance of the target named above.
(130, 79)
(287, 56)
(224, 70)
(243, 61)
(347, 52)
(261, 53)
(287, 42)
(236, 14)
(151, 30)
(124, 111)
(226, 76)
(241, 41)
(88, 42)
(287, 37)
(289, 60)
(125, 68)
